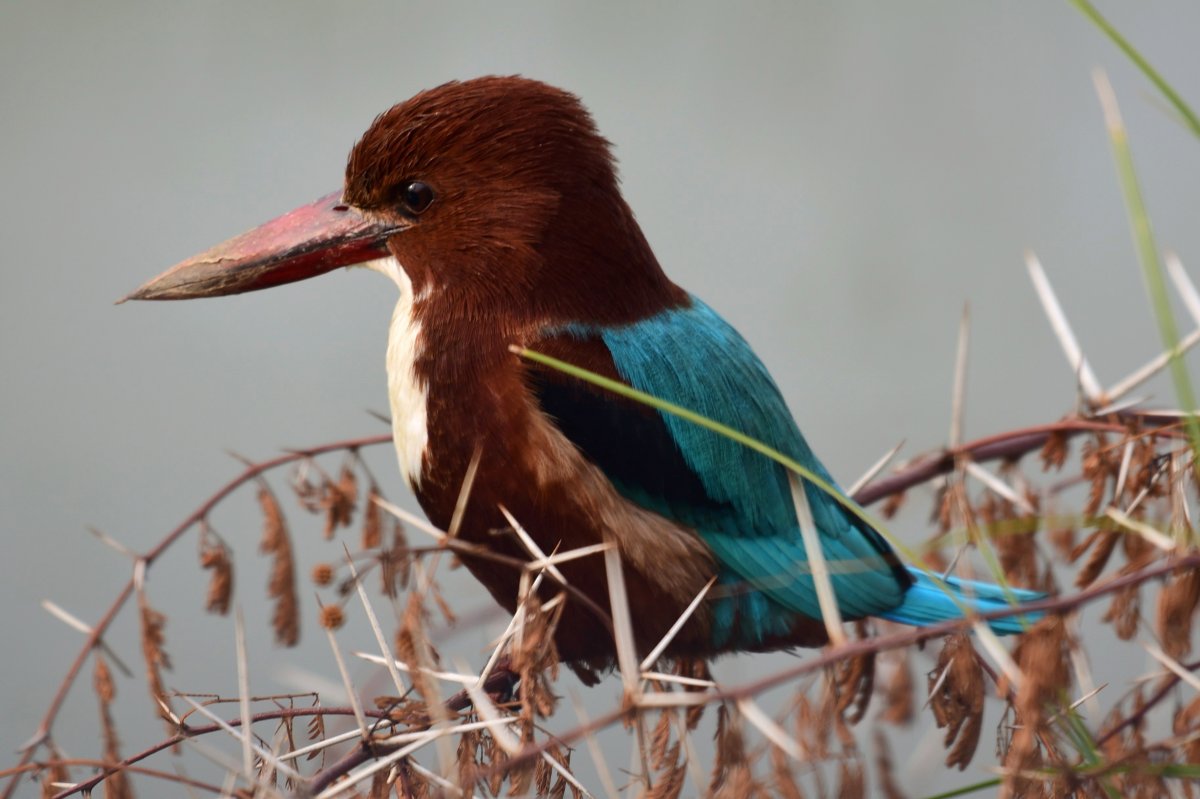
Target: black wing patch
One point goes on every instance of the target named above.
(628, 441)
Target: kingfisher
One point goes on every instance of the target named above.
(493, 205)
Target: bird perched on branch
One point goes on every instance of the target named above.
(493, 205)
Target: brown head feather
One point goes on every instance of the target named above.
(527, 220)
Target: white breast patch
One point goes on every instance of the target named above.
(407, 393)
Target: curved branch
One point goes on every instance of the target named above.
(249, 473)
(873, 645)
(1007, 446)
(87, 785)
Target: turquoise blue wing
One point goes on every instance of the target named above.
(692, 357)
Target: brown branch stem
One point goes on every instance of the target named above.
(101, 627)
(874, 645)
(193, 732)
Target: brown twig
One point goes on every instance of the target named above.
(193, 732)
(1005, 446)
(250, 473)
(874, 645)
(1164, 689)
(1009, 446)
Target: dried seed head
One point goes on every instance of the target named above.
(784, 783)
(332, 617)
(892, 505)
(1043, 656)
(281, 586)
(1105, 541)
(339, 500)
(956, 688)
(898, 693)
(888, 786)
(55, 772)
(372, 529)
(322, 574)
(395, 562)
(731, 751)
(851, 782)
(854, 681)
(1176, 608)
(116, 784)
(412, 646)
(102, 680)
(1186, 726)
(1125, 612)
(152, 625)
(215, 557)
(1054, 451)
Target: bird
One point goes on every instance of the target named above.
(494, 206)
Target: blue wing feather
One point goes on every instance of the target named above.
(690, 356)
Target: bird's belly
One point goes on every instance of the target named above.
(408, 394)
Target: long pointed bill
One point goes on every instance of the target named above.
(309, 241)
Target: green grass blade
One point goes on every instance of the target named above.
(1147, 252)
(631, 393)
(1185, 111)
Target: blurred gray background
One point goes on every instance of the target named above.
(836, 180)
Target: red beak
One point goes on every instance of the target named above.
(309, 241)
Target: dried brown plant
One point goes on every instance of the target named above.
(956, 692)
(281, 586)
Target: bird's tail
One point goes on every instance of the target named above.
(927, 603)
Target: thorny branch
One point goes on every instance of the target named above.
(1006, 447)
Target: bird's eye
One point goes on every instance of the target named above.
(416, 196)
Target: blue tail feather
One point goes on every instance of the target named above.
(927, 603)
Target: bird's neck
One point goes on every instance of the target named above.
(443, 372)
(449, 367)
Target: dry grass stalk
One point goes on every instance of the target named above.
(1124, 613)
(1099, 466)
(281, 586)
(395, 563)
(215, 556)
(731, 776)
(152, 624)
(783, 777)
(892, 505)
(852, 783)
(339, 500)
(1055, 451)
(1135, 464)
(1101, 542)
(372, 525)
(55, 773)
(884, 771)
(854, 682)
(116, 785)
(535, 659)
(670, 781)
(412, 647)
(898, 705)
(813, 726)
(696, 669)
(1177, 605)
(956, 697)
(1186, 726)
(1043, 655)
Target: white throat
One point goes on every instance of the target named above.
(407, 393)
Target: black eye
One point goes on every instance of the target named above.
(417, 196)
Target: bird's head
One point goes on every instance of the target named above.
(498, 192)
